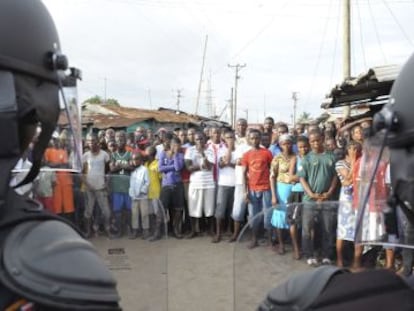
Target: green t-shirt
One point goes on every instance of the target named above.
(119, 181)
(318, 169)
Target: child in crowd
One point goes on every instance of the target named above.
(154, 192)
(138, 191)
(294, 209)
(43, 187)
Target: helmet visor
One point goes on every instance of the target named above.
(64, 146)
(371, 190)
(68, 134)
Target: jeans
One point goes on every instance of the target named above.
(224, 203)
(323, 219)
(260, 201)
(100, 196)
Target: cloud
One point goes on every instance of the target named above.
(288, 46)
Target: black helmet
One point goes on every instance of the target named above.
(31, 70)
(398, 115)
(29, 43)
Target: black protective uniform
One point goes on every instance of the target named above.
(43, 259)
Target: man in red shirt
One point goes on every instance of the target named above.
(258, 195)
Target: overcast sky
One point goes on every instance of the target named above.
(146, 50)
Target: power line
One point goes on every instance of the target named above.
(261, 30)
(352, 47)
(319, 54)
(398, 23)
(361, 34)
(335, 47)
(376, 32)
(201, 76)
(257, 35)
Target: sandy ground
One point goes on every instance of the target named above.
(193, 274)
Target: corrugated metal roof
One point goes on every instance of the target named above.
(102, 122)
(142, 114)
(384, 73)
(371, 87)
(117, 116)
(104, 116)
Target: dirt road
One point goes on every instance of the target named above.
(193, 274)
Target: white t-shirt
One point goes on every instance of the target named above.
(388, 174)
(239, 170)
(202, 179)
(214, 149)
(96, 168)
(159, 148)
(226, 176)
(24, 166)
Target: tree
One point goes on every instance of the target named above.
(94, 100)
(97, 100)
(305, 117)
(112, 102)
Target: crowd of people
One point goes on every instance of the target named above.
(213, 180)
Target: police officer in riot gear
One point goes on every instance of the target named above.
(331, 288)
(45, 263)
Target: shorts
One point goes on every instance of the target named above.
(201, 201)
(121, 201)
(172, 196)
(294, 209)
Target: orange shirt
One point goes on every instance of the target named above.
(56, 156)
(257, 163)
(59, 156)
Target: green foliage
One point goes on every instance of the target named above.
(94, 100)
(304, 117)
(97, 100)
(112, 102)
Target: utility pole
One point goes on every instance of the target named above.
(105, 90)
(237, 68)
(295, 101)
(247, 114)
(178, 99)
(231, 109)
(149, 98)
(209, 99)
(201, 76)
(346, 48)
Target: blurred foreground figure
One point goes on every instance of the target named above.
(45, 263)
